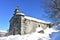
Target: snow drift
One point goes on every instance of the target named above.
(33, 36)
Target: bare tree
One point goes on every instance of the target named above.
(52, 8)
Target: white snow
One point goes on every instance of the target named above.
(3, 31)
(34, 19)
(38, 29)
(20, 13)
(33, 36)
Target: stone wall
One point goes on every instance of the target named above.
(30, 25)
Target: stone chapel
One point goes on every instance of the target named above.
(22, 24)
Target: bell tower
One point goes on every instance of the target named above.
(16, 23)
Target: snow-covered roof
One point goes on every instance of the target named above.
(34, 19)
(19, 13)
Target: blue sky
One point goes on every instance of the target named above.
(33, 8)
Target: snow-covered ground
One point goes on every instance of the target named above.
(33, 36)
(3, 33)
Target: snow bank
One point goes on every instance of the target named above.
(3, 31)
(32, 36)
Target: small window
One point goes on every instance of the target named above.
(38, 25)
